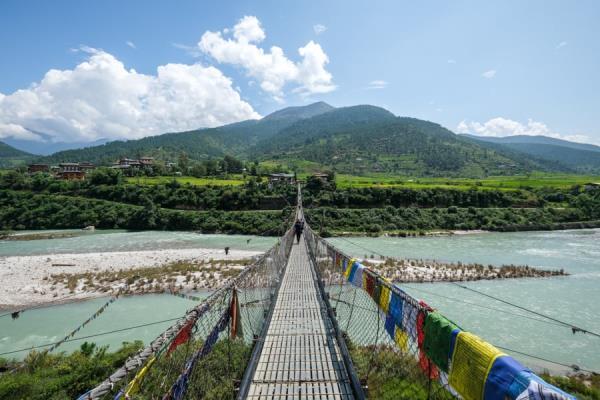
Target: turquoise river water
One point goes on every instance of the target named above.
(574, 298)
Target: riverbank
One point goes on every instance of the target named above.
(429, 271)
(34, 280)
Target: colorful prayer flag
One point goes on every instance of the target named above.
(438, 338)
(472, 361)
(182, 337)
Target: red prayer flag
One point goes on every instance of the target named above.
(182, 337)
(234, 312)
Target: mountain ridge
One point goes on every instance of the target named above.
(356, 139)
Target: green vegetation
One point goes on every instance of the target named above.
(184, 180)
(11, 157)
(529, 181)
(62, 376)
(105, 200)
(26, 210)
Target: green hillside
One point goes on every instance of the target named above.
(11, 157)
(579, 157)
(355, 140)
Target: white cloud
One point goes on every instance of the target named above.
(130, 44)
(319, 28)
(272, 69)
(377, 84)
(501, 127)
(561, 45)
(489, 74)
(100, 98)
(451, 61)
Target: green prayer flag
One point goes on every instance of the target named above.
(438, 336)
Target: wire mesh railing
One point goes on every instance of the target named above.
(204, 354)
(403, 349)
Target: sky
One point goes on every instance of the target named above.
(83, 71)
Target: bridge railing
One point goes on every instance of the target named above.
(204, 353)
(403, 349)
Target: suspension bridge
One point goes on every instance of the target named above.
(306, 321)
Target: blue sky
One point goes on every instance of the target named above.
(490, 68)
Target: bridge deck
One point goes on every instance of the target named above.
(300, 357)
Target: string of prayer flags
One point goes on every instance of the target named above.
(179, 388)
(401, 339)
(87, 321)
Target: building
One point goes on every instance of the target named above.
(87, 166)
(130, 166)
(33, 168)
(321, 176)
(70, 171)
(282, 179)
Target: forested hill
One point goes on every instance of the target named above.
(233, 139)
(10, 156)
(580, 157)
(358, 139)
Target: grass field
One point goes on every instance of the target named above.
(156, 180)
(535, 180)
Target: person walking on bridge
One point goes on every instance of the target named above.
(298, 228)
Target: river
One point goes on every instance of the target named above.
(573, 298)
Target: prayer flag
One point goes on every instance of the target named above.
(401, 339)
(134, 386)
(438, 338)
(384, 298)
(236, 320)
(183, 336)
(472, 361)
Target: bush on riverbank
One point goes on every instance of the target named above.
(25, 210)
(390, 219)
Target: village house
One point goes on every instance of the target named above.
(33, 168)
(70, 171)
(281, 179)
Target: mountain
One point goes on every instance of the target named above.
(364, 139)
(233, 139)
(578, 157)
(47, 146)
(10, 157)
(358, 139)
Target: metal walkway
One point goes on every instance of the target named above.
(300, 357)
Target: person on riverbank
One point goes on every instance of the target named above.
(298, 228)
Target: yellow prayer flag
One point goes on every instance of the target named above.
(349, 268)
(384, 298)
(401, 339)
(134, 386)
(472, 360)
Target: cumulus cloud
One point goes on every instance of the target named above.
(501, 127)
(319, 28)
(377, 84)
(271, 68)
(100, 98)
(489, 74)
